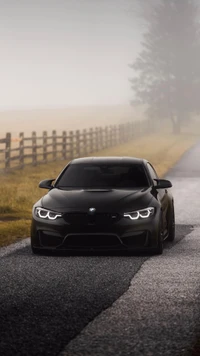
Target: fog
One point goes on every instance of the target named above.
(59, 53)
(70, 60)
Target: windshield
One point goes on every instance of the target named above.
(103, 176)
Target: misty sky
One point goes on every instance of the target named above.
(66, 52)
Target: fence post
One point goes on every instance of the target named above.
(54, 144)
(117, 134)
(103, 137)
(64, 145)
(106, 137)
(114, 135)
(100, 138)
(78, 153)
(96, 133)
(45, 146)
(34, 148)
(111, 135)
(7, 151)
(71, 144)
(91, 132)
(21, 149)
(125, 132)
(85, 142)
(121, 133)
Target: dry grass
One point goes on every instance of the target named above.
(19, 189)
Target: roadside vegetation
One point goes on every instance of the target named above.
(19, 189)
(166, 71)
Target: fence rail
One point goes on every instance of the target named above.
(37, 149)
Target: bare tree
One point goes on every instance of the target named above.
(168, 67)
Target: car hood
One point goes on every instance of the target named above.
(101, 199)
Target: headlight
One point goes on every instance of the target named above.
(140, 214)
(47, 214)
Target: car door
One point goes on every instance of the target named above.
(162, 195)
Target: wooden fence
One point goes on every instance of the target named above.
(40, 149)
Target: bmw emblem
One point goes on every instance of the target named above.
(92, 211)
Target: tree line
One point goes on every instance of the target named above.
(167, 70)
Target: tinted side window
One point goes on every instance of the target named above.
(152, 172)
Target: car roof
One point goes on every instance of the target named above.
(108, 160)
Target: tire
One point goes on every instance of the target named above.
(171, 232)
(159, 249)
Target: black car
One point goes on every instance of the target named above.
(106, 203)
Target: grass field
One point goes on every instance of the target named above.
(19, 189)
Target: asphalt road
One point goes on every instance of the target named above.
(108, 305)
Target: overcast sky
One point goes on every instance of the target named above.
(56, 53)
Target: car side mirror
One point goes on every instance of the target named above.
(163, 184)
(46, 184)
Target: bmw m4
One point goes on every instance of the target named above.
(105, 203)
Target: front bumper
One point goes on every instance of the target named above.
(123, 234)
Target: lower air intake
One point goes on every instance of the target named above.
(94, 240)
(49, 240)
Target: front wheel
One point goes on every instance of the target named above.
(171, 232)
(159, 249)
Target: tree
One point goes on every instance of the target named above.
(168, 67)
